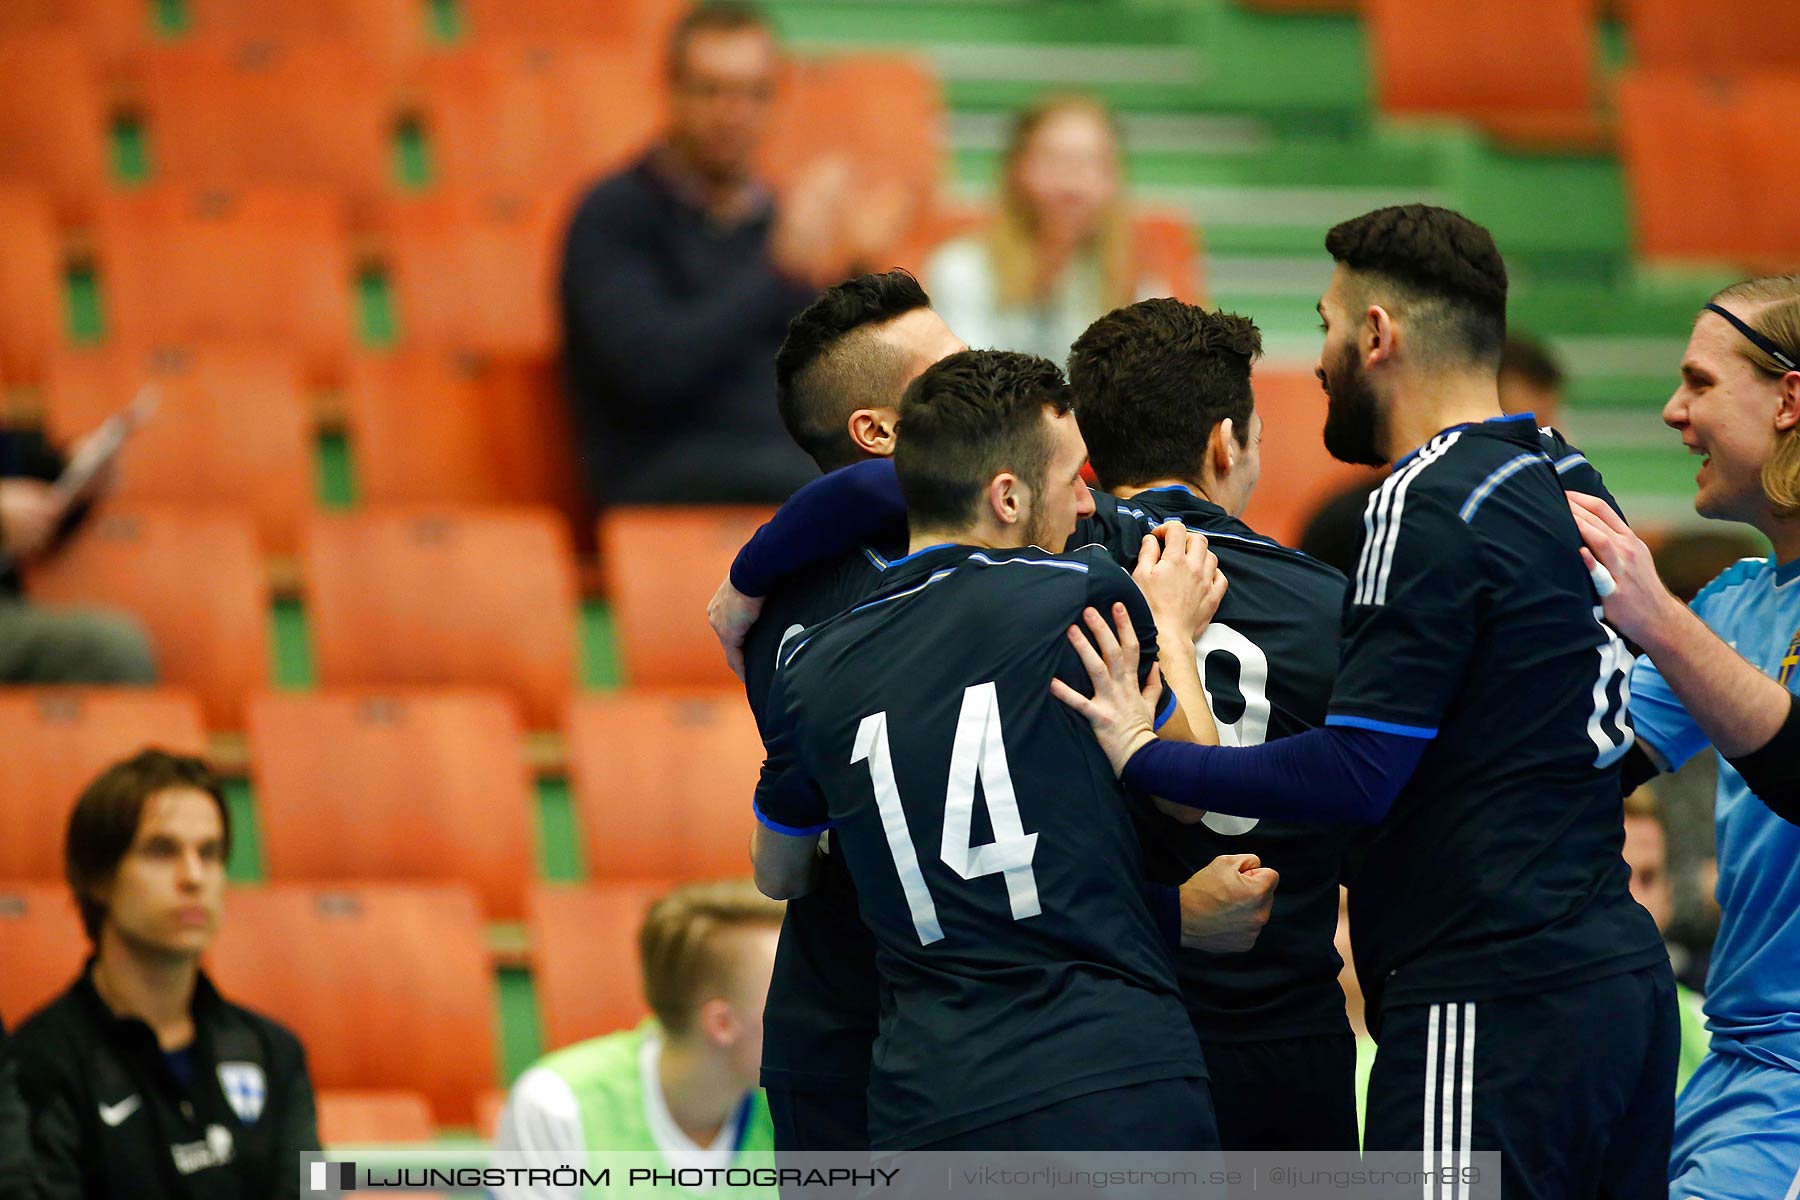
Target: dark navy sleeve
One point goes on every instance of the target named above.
(827, 518)
(1113, 526)
(1411, 617)
(1337, 775)
(788, 800)
(1574, 471)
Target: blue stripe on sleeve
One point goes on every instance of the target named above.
(1412, 731)
(789, 830)
(1168, 710)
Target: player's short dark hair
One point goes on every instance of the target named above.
(1531, 360)
(711, 16)
(831, 364)
(1439, 264)
(105, 821)
(968, 418)
(1152, 380)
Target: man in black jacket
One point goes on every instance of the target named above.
(140, 1080)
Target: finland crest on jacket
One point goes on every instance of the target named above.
(246, 1088)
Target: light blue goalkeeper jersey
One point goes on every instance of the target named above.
(1753, 989)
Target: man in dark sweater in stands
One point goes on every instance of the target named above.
(680, 275)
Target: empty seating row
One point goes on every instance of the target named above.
(529, 116)
(1708, 166)
(411, 783)
(408, 962)
(390, 30)
(1530, 70)
(483, 597)
(279, 266)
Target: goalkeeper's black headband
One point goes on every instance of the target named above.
(1758, 340)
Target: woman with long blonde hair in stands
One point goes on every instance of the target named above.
(1058, 253)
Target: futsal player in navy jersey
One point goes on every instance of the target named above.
(1029, 999)
(846, 360)
(840, 373)
(1522, 1001)
(1163, 397)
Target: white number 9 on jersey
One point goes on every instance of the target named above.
(1252, 725)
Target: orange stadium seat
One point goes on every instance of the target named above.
(642, 24)
(233, 428)
(387, 985)
(195, 580)
(1299, 474)
(389, 31)
(584, 957)
(57, 740)
(539, 119)
(31, 283)
(1762, 130)
(53, 114)
(434, 427)
(476, 273)
(1726, 35)
(357, 1117)
(1524, 70)
(42, 945)
(663, 565)
(414, 784)
(257, 112)
(1681, 142)
(663, 782)
(488, 1107)
(266, 265)
(1162, 248)
(479, 596)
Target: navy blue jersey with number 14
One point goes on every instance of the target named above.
(994, 854)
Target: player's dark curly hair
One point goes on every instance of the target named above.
(1444, 263)
(829, 365)
(968, 418)
(1152, 380)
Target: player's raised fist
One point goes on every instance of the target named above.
(1225, 905)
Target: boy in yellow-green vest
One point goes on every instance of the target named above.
(682, 1085)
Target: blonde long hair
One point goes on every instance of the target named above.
(1773, 310)
(1011, 238)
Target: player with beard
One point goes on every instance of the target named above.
(1522, 999)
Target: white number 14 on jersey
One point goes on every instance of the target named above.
(978, 754)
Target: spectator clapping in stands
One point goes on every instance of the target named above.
(680, 274)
